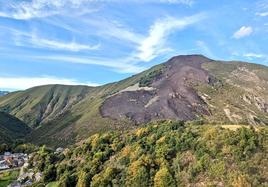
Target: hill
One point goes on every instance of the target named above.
(3, 93)
(187, 87)
(41, 104)
(161, 154)
(12, 128)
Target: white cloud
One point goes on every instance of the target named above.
(154, 43)
(262, 14)
(253, 55)
(243, 32)
(21, 83)
(262, 4)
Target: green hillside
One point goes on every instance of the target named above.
(161, 154)
(12, 128)
(41, 104)
(229, 92)
(241, 96)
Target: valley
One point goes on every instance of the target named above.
(189, 121)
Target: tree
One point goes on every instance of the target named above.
(83, 179)
(104, 178)
(241, 181)
(68, 180)
(50, 174)
(163, 178)
(137, 175)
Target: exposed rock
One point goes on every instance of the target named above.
(171, 97)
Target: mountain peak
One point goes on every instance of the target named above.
(192, 59)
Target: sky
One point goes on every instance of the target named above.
(94, 42)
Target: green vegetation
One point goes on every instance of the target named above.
(150, 77)
(239, 96)
(52, 184)
(39, 104)
(162, 154)
(11, 128)
(18, 147)
(8, 177)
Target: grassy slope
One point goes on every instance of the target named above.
(84, 118)
(40, 104)
(8, 177)
(236, 84)
(11, 128)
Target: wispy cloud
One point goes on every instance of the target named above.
(54, 44)
(186, 2)
(145, 48)
(262, 14)
(154, 43)
(124, 65)
(116, 30)
(243, 32)
(253, 55)
(262, 4)
(28, 9)
(24, 10)
(261, 57)
(21, 83)
(148, 46)
(24, 38)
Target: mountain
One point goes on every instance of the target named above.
(41, 104)
(192, 87)
(3, 93)
(186, 87)
(12, 128)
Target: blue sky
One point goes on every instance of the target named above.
(94, 42)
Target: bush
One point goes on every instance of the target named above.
(163, 178)
(149, 78)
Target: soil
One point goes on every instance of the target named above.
(172, 95)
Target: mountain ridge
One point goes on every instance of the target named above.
(186, 87)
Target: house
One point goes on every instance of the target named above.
(38, 176)
(7, 154)
(28, 182)
(59, 150)
(25, 177)
(14, 184)
(3, 165)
